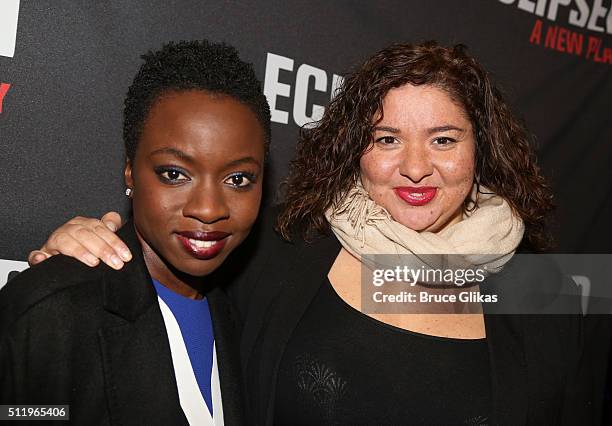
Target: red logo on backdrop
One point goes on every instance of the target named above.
(571, 42)
(4, 88)
(593, 17)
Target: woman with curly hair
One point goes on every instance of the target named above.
(418, 154)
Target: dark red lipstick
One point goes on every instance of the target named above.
(416, 196)
(203, 245)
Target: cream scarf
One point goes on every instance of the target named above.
(485, 238)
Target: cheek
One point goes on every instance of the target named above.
(155, 203)
(155, 199)
(376, 169)
(458, 173)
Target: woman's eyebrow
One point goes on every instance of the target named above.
(387, 129)
(243, 160)
(431, 130)
(444, 128)
(172, 151)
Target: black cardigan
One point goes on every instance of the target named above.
(538, 374)
(95, 338)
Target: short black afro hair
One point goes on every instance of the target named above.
(191, 65)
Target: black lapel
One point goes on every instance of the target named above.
(227, 334)
(509, 385)
(138, 372)
(507, 357)
(288, 285)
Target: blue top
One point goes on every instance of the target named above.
(193, 318)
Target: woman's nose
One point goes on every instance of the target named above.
(416, 162)
(206, 203)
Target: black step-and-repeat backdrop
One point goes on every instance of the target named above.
(65, 66)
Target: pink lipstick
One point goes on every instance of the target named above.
(416, 196)
(203, 245)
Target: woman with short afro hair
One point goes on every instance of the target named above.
(155, 343)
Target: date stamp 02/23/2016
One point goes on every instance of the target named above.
(34, 412)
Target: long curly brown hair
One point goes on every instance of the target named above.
(327, 161)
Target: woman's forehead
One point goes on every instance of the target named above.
(197, 123)
(424, 105)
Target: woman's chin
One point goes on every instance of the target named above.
(430, 221)
(195, 267)
(200, 269)
(418, 224)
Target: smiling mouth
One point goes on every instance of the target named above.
(416, 196)
(203, 245)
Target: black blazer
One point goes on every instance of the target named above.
(95, 338)
(538, 376)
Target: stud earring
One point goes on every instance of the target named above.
(128, 192)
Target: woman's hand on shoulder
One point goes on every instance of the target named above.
(88, 240)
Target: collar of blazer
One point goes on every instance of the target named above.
(124, 293)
